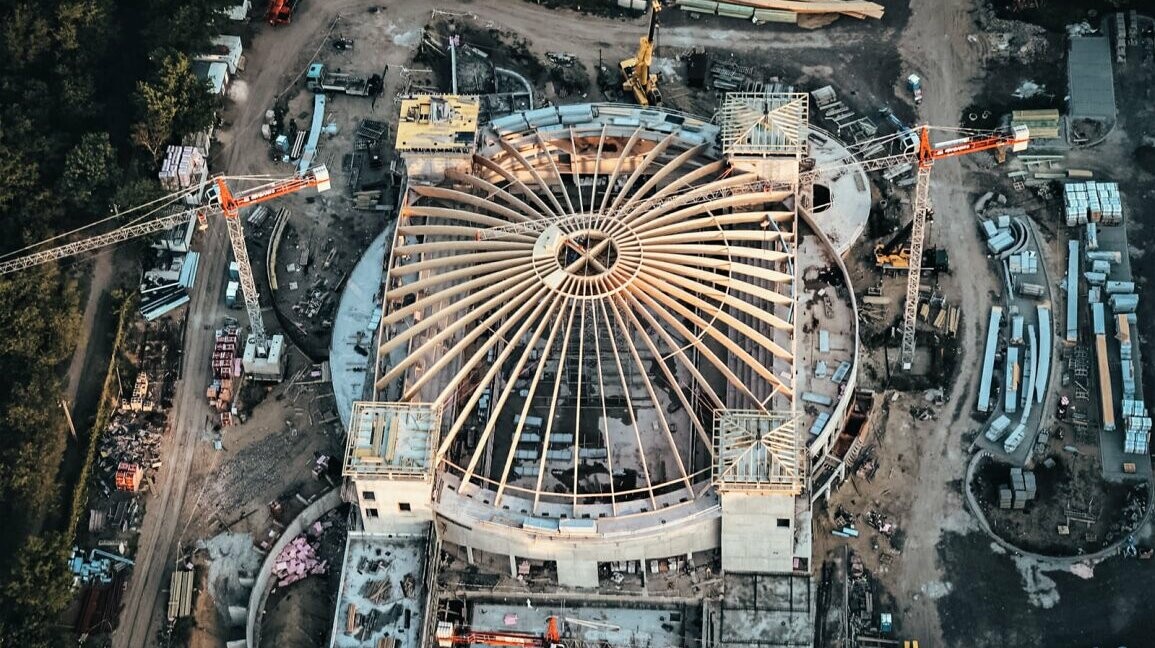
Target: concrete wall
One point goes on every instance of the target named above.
(393, 506)
(825, 440)
(678, 538)
(313, 512)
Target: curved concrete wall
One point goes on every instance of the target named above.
(313, 512)
(702, 532)
(822, 443)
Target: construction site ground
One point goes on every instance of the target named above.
(949, 587)
(950, 583)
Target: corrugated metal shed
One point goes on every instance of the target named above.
(1089, 77)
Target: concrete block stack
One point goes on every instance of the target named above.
(1023, 489)
(1092, 202)
(183, 167)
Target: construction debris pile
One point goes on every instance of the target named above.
(385, 610)
(860, 601)
(848, 124)
(368, 158)
(131, 444)
(299, 559)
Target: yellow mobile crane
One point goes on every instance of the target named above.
(636, 75)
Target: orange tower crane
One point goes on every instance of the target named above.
(927, 154)
(220, 199)
(921, 152)
(451, 636)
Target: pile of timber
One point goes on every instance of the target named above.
(787, 11)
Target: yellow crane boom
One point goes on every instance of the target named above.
(636, 75)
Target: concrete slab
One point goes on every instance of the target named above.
(354, 327)
(614, 626)
(844, 220)
(378, 562)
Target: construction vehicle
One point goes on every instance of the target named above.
(637, 78)
(915, 85)
(319, 79)
(280, 12)
(455, 636)
(894, 255)
(264, 355)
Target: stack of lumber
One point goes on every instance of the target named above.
(852, 8)
(788, 11)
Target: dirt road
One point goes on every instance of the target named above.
(101, 275)
(935, 45)
(156, 549)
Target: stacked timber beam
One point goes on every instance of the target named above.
(785, 11)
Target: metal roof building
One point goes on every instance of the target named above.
(1092, 85)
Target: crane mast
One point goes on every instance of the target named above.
(924, 154)
(914, 278)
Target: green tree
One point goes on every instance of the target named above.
(158, 109)
(73, 19)
(27, 34)
(89, 172)
(173, 104)
(36, 594)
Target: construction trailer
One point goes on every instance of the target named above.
(320, 79)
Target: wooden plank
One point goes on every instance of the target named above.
(351, 619)
(857, 9)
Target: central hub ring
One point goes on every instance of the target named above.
(587, 253)
(587, 262)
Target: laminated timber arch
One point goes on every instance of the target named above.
(583, 307)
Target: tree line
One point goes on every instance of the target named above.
(93, 91)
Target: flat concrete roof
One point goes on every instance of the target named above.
(595, 625)
(391, 439)
(355, 327)
(1090, 78)
(765, 610)
(844, 221)
(373, 580)
(445, 124)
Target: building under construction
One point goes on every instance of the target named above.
(615, 355)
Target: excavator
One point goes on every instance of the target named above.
(456, 636)
(637, 78)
